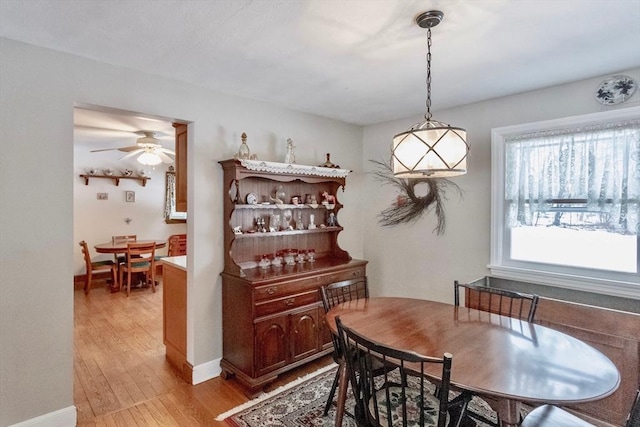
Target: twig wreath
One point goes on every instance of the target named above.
(409, 206)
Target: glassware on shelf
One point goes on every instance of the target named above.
(300, 257)
(277, 260)
(299, 223)
(264, 262)
(290, 257)
(287, 215)
(311, 255)
(274, 223)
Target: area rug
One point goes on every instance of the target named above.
(301, 403)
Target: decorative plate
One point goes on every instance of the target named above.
(252, 199)
(615, 89)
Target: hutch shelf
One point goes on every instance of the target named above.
(273, 318)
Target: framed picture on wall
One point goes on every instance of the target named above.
(130, 196)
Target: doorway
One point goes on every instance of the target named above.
(119, 356)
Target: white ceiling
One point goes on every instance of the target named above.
(359, 61)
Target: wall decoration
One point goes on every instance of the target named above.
(615, 90)
(409, 206)
(130, 196)
(103, 196)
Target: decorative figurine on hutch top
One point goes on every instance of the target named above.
(243, 153)
(290, 158)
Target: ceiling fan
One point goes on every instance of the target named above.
(148, 148)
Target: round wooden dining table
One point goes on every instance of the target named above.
(121, 246)
(508, 359)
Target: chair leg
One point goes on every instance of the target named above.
(128, 282)
(343, 379)
(334, 386)
(87, 283)
(153, 279)
(114, 277)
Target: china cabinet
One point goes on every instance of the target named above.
(281, 229)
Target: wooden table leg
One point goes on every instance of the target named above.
(509, 413)
(343, 381)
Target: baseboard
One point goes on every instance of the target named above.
(66, 417)
(206, 371)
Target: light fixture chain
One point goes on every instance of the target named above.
(428, 115)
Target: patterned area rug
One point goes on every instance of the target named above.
(301, 404)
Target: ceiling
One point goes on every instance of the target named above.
(358, 61)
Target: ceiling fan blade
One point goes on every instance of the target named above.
(104, 149)
(133, 153)
(166, 150)
(164, 157)
(127, 149)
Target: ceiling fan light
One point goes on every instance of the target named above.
(150, 159)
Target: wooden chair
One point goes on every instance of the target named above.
(120, 258)
(177, 245)
(333, 294)
(499, 301)
(396, 398)
(140, 259)
(96, 266)
(552, 416)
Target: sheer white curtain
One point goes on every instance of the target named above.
(596, 167)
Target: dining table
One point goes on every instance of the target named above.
(503, 358)
(120, 247)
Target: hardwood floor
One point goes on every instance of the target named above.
(121, 376)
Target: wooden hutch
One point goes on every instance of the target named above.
(273, 318)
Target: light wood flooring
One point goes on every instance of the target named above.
(121, 376)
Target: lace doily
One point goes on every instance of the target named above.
(282, 168)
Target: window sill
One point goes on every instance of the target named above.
(618, 288)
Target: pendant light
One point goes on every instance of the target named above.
(430, 149)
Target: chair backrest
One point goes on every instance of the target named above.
(634, 415)
(86, 255)
(141, 252)
(500, 301)
(338, 292)
(404, 392)
(347, 290)
(177, 245)
(125, 238)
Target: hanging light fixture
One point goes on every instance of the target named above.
(430, 149)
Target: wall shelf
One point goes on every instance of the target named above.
(115, 178)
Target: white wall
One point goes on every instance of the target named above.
(38, 89)
(95, 221)
(410, 260)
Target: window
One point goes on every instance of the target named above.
(170, 214)
(566, 202)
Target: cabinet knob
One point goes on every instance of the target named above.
(271, 291)
(289, 302)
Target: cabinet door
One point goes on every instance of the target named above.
(326, 338)
(271, 345)
(304, 333)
